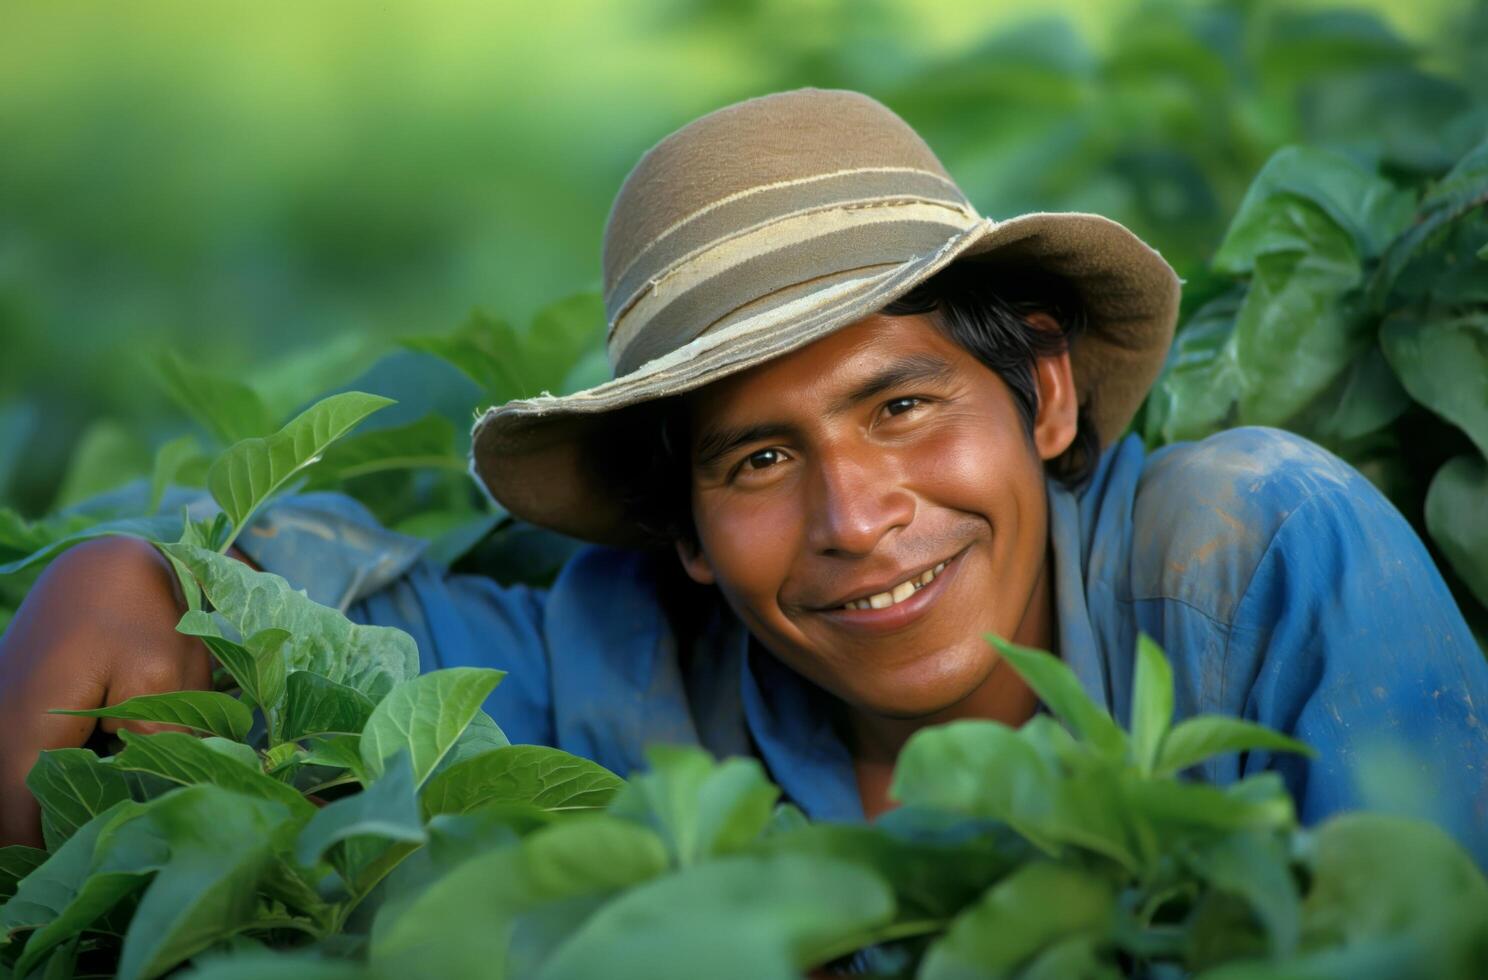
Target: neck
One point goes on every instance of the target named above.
(876, 740)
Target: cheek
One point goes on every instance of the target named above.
(750, 542)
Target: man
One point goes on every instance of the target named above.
(854, 427)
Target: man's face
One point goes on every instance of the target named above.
(883, 454)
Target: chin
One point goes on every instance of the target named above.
(926, 691)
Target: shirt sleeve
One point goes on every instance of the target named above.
(1353, 643)
(333, 548)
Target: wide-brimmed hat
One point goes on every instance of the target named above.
(768, 224)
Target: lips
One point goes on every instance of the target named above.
(859, 614)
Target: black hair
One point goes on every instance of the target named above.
(646, 455)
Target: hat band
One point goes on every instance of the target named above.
(746, 210)
(747, 270)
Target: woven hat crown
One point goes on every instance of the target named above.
(755, 199)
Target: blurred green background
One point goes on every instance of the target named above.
(277, 191)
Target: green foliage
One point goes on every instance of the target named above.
(1348, 305)
(1066, 847)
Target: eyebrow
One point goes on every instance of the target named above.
(910, 370)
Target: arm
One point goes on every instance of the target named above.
(96, 629)
(1353, 643)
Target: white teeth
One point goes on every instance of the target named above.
(898, 593)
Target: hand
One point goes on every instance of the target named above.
(98, 628)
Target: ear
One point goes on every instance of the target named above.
(1058, 405)
(694, 562)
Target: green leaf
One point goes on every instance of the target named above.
(482, 735)
(1464, 188)
(1443, 363)
(369, 658)
(206, 711)
(1457, 518)
(1255, 867)
(1180, 806)
(220, 844)
(743, 917)
(228, 409)
(65, 884)
(107, 456)
(149, 528)
(425, 716)
(184, 759)
(1059, 689)
(73, 786)
(1196, 739)
(428, 443)
(388, 810)
(257, 665)
(338, 752)
(1376, 876)
(1482, 253)
(1031, 910)
(16, 862)
(933, 877)
(256, 965)
(487, 350)
(1370, 397)
(174, 461)
(701, 808)
(1370, 209)
(317, 706)
(461, 924)
(1200, 384)
(254, 469)
(549, 779)
(1152, 703)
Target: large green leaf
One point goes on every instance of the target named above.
(1056, 686)
(1152, 703)
(461, 924)
(258, 964)
(1443, 363)
(388, 810)
(547, 778)
(369, 658)
(317, 706)
(1302, 322)
(428, 443)
(701, 808)
(65, 894)
(745, 917)
(1200, 385)
(1457, 517)
(228, 409)
(252, 470)
(220, 844)
(1368, 207)
(1464, 188)
(1029, 911)
(338, 752)
(73, 786)
(482, 735)
(1196, 739)
(206, 711)
(1376, 876)
(184, 759)
(425, 716)
(258, 664)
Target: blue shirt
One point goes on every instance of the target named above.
(1284, 588)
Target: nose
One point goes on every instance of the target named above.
(854, 504)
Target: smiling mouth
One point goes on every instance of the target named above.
(900, 592)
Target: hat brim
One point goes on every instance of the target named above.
(533, 454)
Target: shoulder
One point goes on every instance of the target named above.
(1205, 514)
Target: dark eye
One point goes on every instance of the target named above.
(899, 406)
(763, 459)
